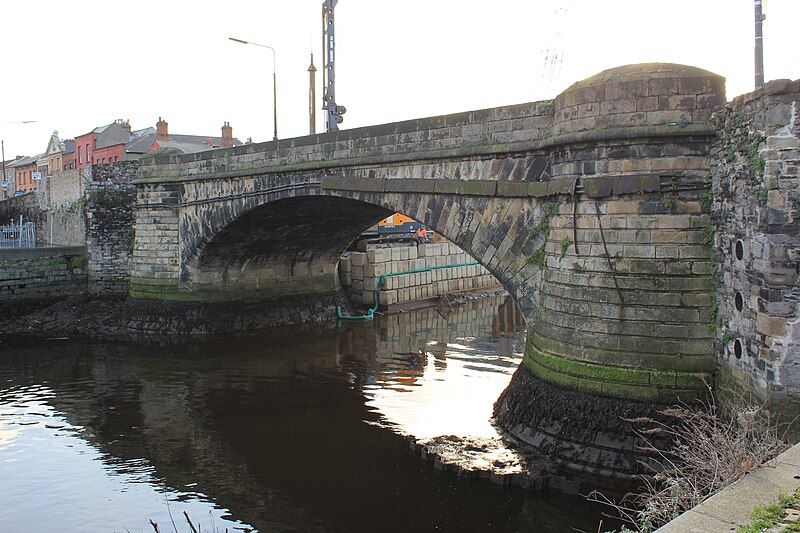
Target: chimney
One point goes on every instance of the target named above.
(161, 130)
(126, 124)
(227, 135)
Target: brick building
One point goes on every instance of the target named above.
(105, 144)
(59, 155)
(24, 169)
(188, 144)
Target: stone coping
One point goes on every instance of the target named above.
(44, 251)
(150, 174)
(731, 507)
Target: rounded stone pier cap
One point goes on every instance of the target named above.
(645, 94)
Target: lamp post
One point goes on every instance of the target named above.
(3, 156)
(274, 82)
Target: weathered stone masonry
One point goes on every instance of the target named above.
(92, 207)
(110, 198)
(588, 209)
(756, 205)
(42, 273)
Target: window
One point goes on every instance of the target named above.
(80, 155)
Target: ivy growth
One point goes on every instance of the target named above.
(566, 242)
(708, 236)
(538, 258)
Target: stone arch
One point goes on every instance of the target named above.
(289, 244)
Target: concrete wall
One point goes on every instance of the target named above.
(42, 273)
(360, 272)
(756, 206)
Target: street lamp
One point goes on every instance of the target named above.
(274, 82)
(3, 156)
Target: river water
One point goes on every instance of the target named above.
(297, 429)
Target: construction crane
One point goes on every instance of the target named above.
(334, 111)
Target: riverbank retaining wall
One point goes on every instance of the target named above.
(91, 207)
(415, 273)
(42, 273)
(756, 216)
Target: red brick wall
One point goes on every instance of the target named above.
(84, 143)
(109, 154)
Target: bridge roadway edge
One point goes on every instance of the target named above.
(593, 218)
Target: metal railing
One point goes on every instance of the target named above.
(20, 235)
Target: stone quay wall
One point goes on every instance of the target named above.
(42, 273)
(110, 200)
(361, 271)
(756, 215)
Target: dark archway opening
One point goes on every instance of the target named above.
(300, 226)
(292, 247)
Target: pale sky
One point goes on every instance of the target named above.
(76, 65)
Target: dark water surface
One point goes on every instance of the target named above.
(293, 430)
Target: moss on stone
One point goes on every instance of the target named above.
(612, 380)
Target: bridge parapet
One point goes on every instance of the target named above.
(457, 135)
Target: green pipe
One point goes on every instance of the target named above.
(370, 314)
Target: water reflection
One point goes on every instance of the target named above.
(427, 372)
(293, 430)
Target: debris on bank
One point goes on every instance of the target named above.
(495, 460)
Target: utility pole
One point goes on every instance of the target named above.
(759, 48)
(334, 111)
(3, 155)
(312, 97)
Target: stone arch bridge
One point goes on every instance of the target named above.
(588, 208)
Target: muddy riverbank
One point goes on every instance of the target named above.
(123, 318)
